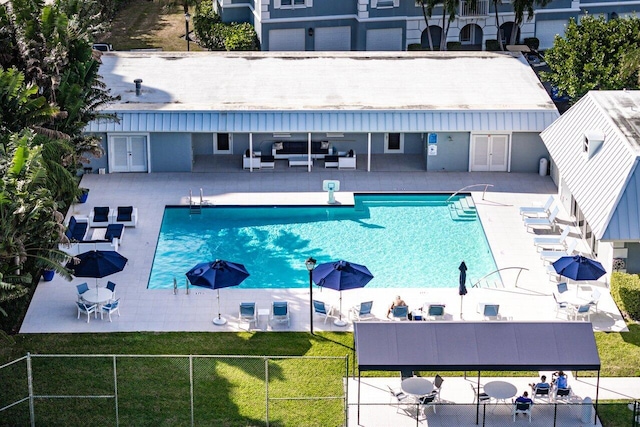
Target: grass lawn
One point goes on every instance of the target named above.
(145, 24)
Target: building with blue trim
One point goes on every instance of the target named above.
(374, 25)
(426, 105)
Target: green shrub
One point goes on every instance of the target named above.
(625, 290)
(414, 46)
(532, 42)
(216, 35)
(241, 37)
(492, 45)
(454, 46)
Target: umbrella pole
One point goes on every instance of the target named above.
(461, 297)
(219, 320)
(339, 321)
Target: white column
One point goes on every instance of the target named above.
(369, 152)
(309, 154)
(250, 152)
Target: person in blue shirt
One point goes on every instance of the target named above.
(524, 398)
(542, 384)
(560, 379)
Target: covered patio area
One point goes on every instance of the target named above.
(410, 347)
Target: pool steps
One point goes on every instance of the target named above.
(463, 209)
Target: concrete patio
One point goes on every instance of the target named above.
(53, 310)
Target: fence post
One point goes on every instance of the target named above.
(555, 413)
(115, 389)
(266, 389)
(32, 412)
(346, 390)
(191, 388)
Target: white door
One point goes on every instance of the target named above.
(332, 38)
(287, 40)
(128, 153)
(489, 153)
(546, 31)
(389, 39)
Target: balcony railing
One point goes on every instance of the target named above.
(468, 9)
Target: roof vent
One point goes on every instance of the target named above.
(593, 140)
(138, 83)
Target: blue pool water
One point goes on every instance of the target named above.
(406, 241)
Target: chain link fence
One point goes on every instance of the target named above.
(167, 390)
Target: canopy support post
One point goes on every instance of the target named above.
(595, 417)
(478, 400)
(358, 397)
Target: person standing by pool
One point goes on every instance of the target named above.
(398, 302)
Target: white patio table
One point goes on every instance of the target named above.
(500, 390)
(97, 295)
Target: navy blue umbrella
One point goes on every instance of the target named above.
(217, 275)
(97, 264)
(462, 289)
(341, 276)
(579, 268)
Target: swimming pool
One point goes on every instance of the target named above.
(406, 241)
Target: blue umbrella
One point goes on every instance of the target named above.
(216, 275)
(462, 289)
(579, 268)
(341, 276)
(97, 264)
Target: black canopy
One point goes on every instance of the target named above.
(475, 346)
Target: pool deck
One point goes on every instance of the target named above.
(53, 309)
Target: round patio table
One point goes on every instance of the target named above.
(417, 386)
(97, 295)
(500, 390)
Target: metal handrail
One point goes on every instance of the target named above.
(475, 285)
(470, 186)
(201, 197)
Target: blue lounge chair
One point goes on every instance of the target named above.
(280, 313)
(491, 311)
(322, 309)
(248, 313)
(362, 311)
(400, 313)
(435, 311)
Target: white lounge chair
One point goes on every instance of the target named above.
(536, 211)
(551, 256)
(552, 241)
(543, 222)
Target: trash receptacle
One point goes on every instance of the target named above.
(587, 410)
(102, 171)
(544, 165)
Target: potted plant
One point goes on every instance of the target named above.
(47, 275)
(83, 195)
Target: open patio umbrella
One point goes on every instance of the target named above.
(216, 275)
(97, 264)
(579, 267)
(341, 276)
(462, 289)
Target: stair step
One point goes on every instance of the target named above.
(461, 216)
(467, 204)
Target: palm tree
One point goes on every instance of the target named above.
(519, 7)
(449, 11)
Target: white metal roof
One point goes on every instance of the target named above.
(324, 91)
(607, 185)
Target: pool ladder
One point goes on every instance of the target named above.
(195, 208)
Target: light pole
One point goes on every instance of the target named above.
(187, 16)
(311, 264)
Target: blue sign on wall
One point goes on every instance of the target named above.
(433, 138)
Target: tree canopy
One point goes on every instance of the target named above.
(592, 55)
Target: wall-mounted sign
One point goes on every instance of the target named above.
(433, 150)
(433, 138)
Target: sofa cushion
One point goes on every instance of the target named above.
(124, 213)
(101, 214)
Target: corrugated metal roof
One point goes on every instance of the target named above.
(336, 121)
(605, 186)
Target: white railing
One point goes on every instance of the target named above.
(470, 186)
(467, 8)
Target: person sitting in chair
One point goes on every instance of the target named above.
(559, 379)
(542, 384)
(398, 302)
(524, 399)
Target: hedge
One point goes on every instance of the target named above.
(454, 46)
(625, 290)
(532, 42)
(492, 45)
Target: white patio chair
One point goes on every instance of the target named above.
(551, 242)
(88, 309)
(535, 211)
(110, 308)
(521, 408)
(550, 221)
(322, 309)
